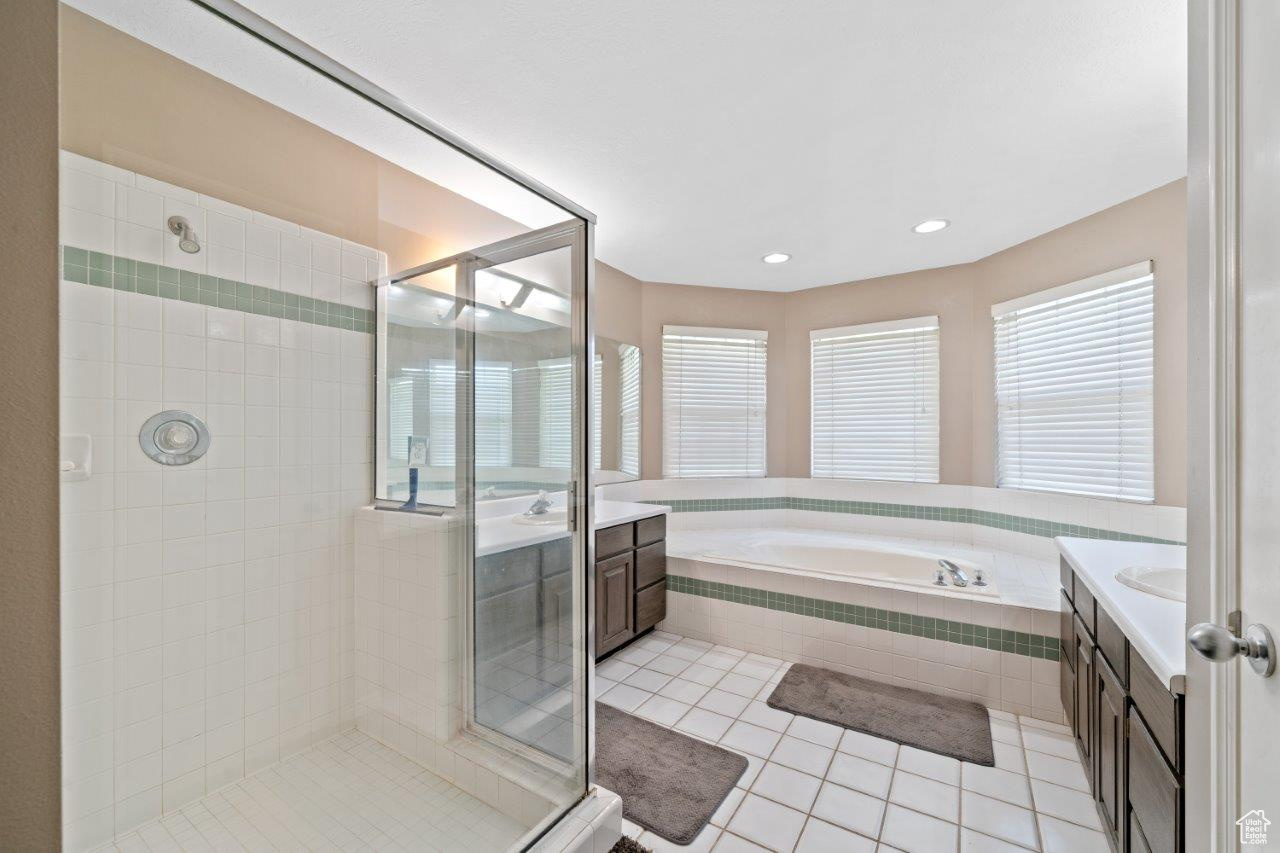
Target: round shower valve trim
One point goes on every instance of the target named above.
(174, 438)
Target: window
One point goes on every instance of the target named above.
(492, 413)
(629, 415)
(597, 409)
(713, 402)
(1074, 388)
(875, 401)
(555, 412)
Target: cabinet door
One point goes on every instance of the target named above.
(1155, 797)
(1083, 726)
(614, 597)
(1109, 785)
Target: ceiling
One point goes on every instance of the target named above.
(706, 134)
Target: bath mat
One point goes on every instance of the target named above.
(629, 845)
(954, 727)
(670, 783)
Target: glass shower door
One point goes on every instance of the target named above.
(524, 476)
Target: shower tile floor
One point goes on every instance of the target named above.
(348, 793)
(814, 787)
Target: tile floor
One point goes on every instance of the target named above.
(348, 793)
(813, 787)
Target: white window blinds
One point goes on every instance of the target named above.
(492, 413)
(629, 416)
(555, 412)
(713, 402)
(597, 408)
(1074, 383)
(875, 401)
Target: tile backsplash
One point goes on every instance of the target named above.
(207, 609)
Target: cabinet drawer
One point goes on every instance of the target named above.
(651, 606)
(1083, 600)
(1161, 710)
(653, 529)
(1113, 645)
(614, 540)
(1155, 797)
(651, 564)
(1067, 577)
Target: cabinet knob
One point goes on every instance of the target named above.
(1217, 644)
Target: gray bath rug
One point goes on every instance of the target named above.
(954, 727)
(670, 783)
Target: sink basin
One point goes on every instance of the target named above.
(551, 516)
(1166, 583)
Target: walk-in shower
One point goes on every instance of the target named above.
(298, 584)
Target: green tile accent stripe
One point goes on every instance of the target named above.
(117, 273)
(962, 515)
(946, 630)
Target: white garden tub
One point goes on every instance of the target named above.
(832, 556)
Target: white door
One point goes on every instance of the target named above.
(1233, 737)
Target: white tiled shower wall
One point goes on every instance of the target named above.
(207, 609)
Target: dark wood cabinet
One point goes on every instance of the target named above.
(614, 590)
(630, 580)
(1128, 726)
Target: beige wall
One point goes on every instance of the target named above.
(1151, 226)
(30, 769)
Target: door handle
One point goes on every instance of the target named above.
(1217, 644)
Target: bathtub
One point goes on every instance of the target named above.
(832, 556)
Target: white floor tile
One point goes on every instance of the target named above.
(661, 710)
(1010, 757)
(769, 824)
(624, 697)
(730, 805)
(1066, 803)
(615, 670)
(729, 704)
(730, 843)
(1050, 743)
(745, 737)
(667, 664)
(926, 795)
(683, 691)
(647, 679)
(1059, 771)
(1059, 836)
(913, 832)
(929, 764)
(719, 660)
(760, 714)
(743, 685)
(853, 810)
(998, 819)
(802, 755)
(789, 787)
(869, 746)
(822, 837)
(703, 674)
(1006, 731)
(997, 783)
(860, 774)
(636, 655)
(815, 731)
(976, 842)
(705, 724)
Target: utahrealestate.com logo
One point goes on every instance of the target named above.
(1253, 827)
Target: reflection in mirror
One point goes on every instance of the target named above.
(615, 421)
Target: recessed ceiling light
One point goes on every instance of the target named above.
(776, 258)
(931, 225)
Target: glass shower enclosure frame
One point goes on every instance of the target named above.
(570, 759)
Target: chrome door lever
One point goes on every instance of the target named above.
(1217, 644)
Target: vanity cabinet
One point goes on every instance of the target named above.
(630, 581)
(1128, 726)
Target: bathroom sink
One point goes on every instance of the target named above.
(551, 516)
(1166, 583)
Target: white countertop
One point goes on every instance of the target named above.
(1156, 627)
(502, 533)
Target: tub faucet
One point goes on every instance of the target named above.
(540, 506)
(958, 577)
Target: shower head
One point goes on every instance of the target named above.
(186, 234)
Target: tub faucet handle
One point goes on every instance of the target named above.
(939, 578)
(979, 577)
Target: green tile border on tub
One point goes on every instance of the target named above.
(931, 628)
(960, 515)
(119, 273)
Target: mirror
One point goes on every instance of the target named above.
(616, 419)
(522, 389)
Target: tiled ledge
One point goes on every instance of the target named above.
(961, 515)
(946, 630)
(120, 273)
